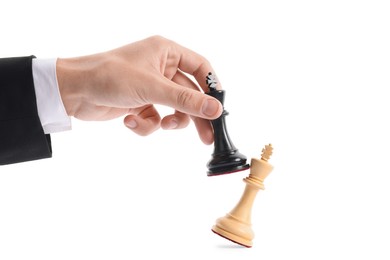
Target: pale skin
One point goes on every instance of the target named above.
(130, 80)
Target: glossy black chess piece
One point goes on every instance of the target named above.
(226, 158)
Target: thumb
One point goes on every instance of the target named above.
(190, 101)
(195, 103)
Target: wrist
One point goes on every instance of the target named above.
(72, 77)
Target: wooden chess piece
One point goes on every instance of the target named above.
(226, 158)
(236, 225)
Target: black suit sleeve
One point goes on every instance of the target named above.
(21, 134)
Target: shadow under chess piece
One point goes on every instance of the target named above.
(226, 158)
(236, 225)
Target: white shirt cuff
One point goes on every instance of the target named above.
(51, 109)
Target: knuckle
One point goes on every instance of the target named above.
(160, 43)
(157, 40)
(185, 98)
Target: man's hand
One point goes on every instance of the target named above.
(131, 79)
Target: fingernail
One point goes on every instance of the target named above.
(132, 123)
(210, 107)
(173, 124)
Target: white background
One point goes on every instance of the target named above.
(310, 77)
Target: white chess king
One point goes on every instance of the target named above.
(236, 225)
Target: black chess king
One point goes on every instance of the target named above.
(226, 158)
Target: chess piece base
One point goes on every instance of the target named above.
(230, 162)
(232, 237)
(227, 170)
